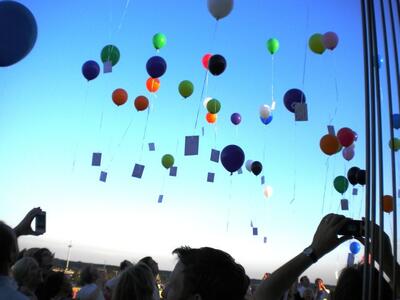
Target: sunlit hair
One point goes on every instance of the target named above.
(350, 284)
(135, 283)
(212, 273)
(22, 271)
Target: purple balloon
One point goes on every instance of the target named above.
(292, 97)
(330, 40)
(90, 70)
(266, 121)
(232, 158)
(156, 66)
(348, 153)
(236, 118)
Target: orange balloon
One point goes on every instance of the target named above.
(211, 118)
(387, 203)
(153, 84)
(329, 144)
(141, 103)
(119, 96)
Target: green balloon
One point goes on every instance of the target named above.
(167, 161)
(315, 43)
(159, 40)
(394, 144)
(213, 106)
(186, 88)
(341, 184)
(273, 45)
(110, 53)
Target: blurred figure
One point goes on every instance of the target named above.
(45, 260)
(90, 290)
(135, 283)
(308, 294)
(321, 292)
(112, 283)
(304, 285)
(28, 276)
(8, 254)
(57, 287)
(153, 265)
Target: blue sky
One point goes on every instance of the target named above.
(50, 117)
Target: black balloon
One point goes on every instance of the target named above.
(361, 177)
(217, 64)
(256, 167)
(352, 175)
(18, 32)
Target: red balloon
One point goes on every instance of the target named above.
(141, 103)
(346, 136)
(119, 96)
(205, 60)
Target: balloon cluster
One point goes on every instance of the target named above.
(120, 97)
(356, 175)
(344, 139)
(318, 43)
(254, 167)
(265, 114)
(109, 54)
(213, 106)
(293, 97)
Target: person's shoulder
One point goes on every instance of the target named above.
(7, 293)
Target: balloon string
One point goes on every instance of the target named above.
(214, 35)
(295, 165)
(80, 125)
(306, 47)
(123, 15)
(325, 186)
(229, 204)
(336, 91)
(144, 132)
(120, 142)
(163, 184)
(272, 79)
(205, 82)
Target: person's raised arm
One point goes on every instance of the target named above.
(24, 227)
(325, 240)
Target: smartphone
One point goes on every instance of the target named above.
(40, 224)
(354, 228)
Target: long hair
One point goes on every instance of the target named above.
(135, 283)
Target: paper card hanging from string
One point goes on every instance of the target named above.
(107, 67)
(344, 203)
(262, 180)
(152, 147)
(202, 131)
(265, 239)
(138, 171)
(103, 176)
(355, 192)
(173, 171)
(210, 177)
(192, 145)
(251, 224)
(214, 155)
(300, 112)
(273, 105)
(160, 198)
(240, 171)
(331, 130)
(350, 259)
(255, 231)
(96, 159)
(398, 193)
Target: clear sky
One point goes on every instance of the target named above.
(51, 117)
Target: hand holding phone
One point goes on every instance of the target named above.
(353, 228)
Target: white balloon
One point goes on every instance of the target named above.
(206, 101)
(265, 111)
(220, 8)
(248, 165)
(268, 191)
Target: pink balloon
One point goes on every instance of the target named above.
(330, 40)
(348, 153)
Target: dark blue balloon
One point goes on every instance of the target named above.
(232, 158)
(90, 70)
(156, 66)
(355, 247)
(266, 121)
(396, 121)
(292, 97)
(236, 118)
(18, 32)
